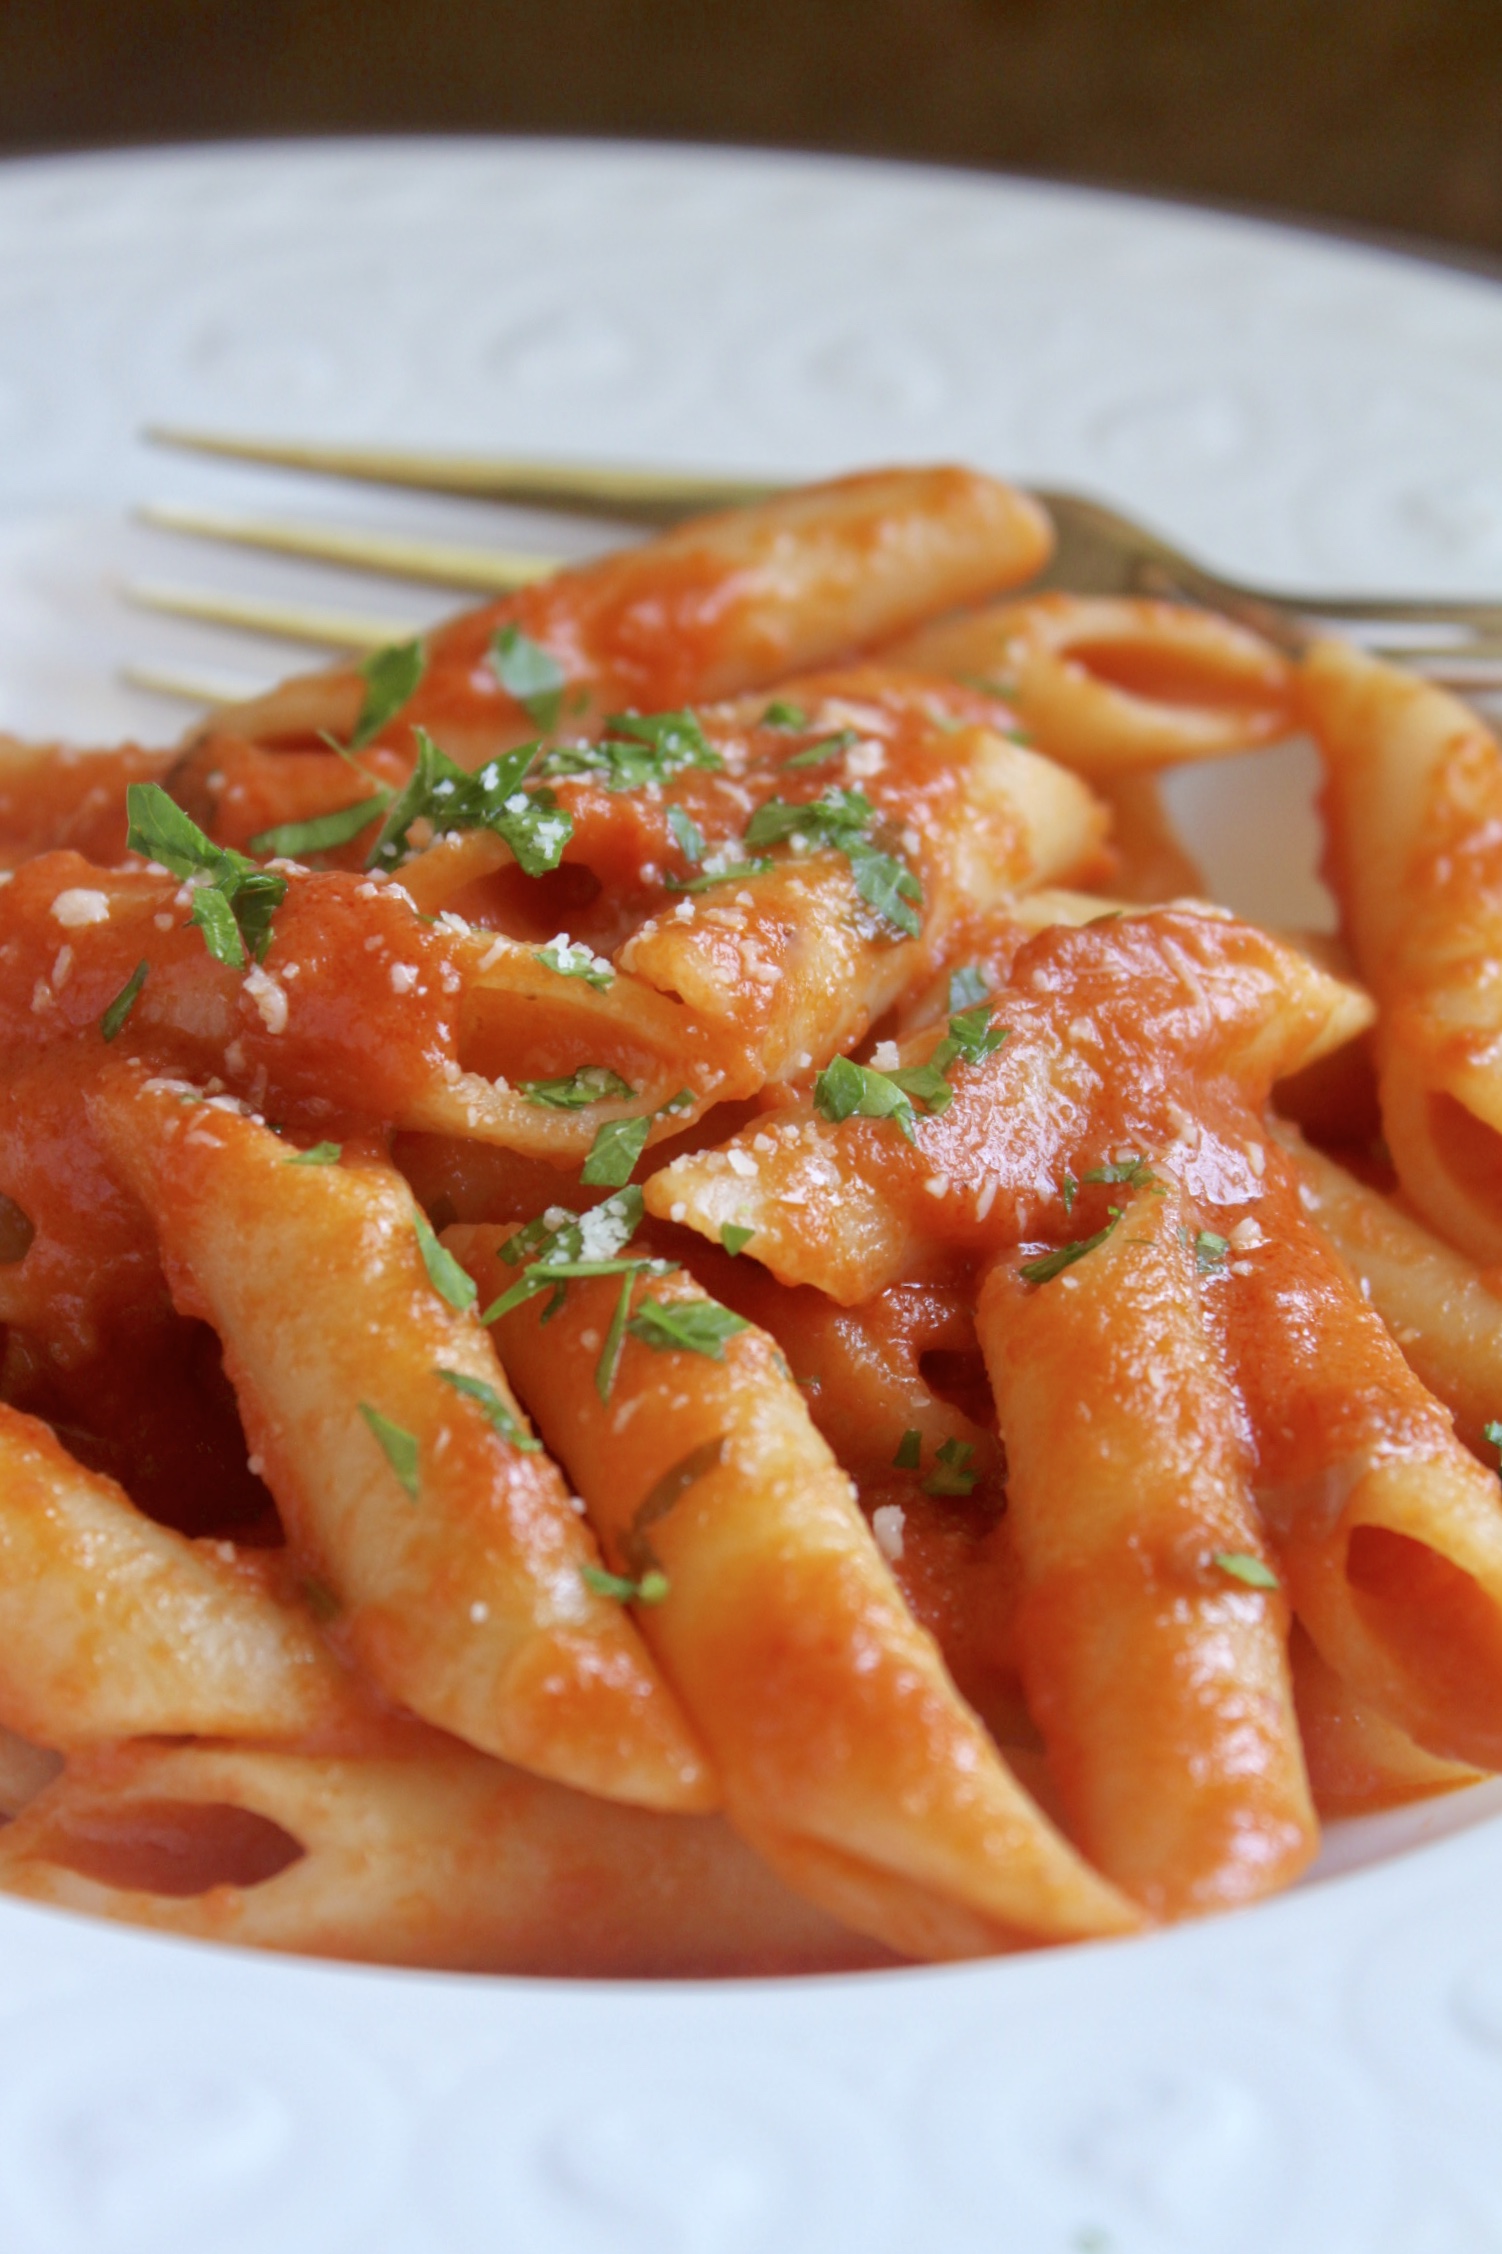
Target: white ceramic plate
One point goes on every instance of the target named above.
(1317, 2076)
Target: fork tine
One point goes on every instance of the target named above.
(485, 571)
(641, 496)
(207, 687)
(326, 629)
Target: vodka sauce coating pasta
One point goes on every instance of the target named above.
(655, 1318)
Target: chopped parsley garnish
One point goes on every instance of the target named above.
(1134, 1172)
(619, 1143)
(1051, 1264)
(124, 1002)
(233, 900)
(638, 748)
(650, 1589)
(1210, 1251)
(615, 1150)
(828, 747)
(591, 1084)
(1493, 1434)
(391, 677)
(1069, 1190)
(780, 714)
(615, 1337)
(611, 1225)
(571, 958)
(449, 1280)
(840, 821)
(951, 1474)
(687, 835)
(497, 1413)
(1243, 1567)
(719, 872)
(886, 885)
(398, 1447)
(317, 1154)
(967, 986)
(832, 820)
(324, 831)
(909, 1450)
(571, 1248)
(529, 673)
(686, 1326)
(846, 1090)
(530, 822)
(734, 1237)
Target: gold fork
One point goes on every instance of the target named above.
(1099, 552)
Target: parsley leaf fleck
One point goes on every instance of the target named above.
(967, 986)
(687, 834)
(1210, 1251)
(496, 1412)
(317, 1154)
(294, 840)
(449, 1280)
(529, 673)
(638, 748)
(828, 747)
(846, 1090)
(650, 1589)
(951, 1474)
(1243, 1567)
(234, 908)
(398, 1447)
(591, 1084)
(125, 1001)
(530, 822)
(734, 1237)
(780, 714)
(572, 958)
(615, 1150)
(1051, 1264)
(391, 677)
(1493, 1433)
(686, 1326)
(909, 1450)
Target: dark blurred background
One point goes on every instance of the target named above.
(1379, 114)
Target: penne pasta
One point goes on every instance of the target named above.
(427, 1854)
(847, 1758)
(1359, 1762)
(1151, 1629)
(1438, 1305)
(1113, 685)
(113, 1627)
(1388, 1531)
(451, 1553)
(1414, 799)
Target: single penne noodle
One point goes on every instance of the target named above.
(1438, 1305)
(847, 1758)
(714, 607)
(435, 1856)
(1111, 1030)
(1110, 684)
(453, 1555)
(112, 1626)
(1358, 1760)
(1388, 1531)
(1158, 1679)
(1414, 806)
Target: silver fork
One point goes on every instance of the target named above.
(1099, 552)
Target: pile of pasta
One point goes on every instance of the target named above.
(671, 1305)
